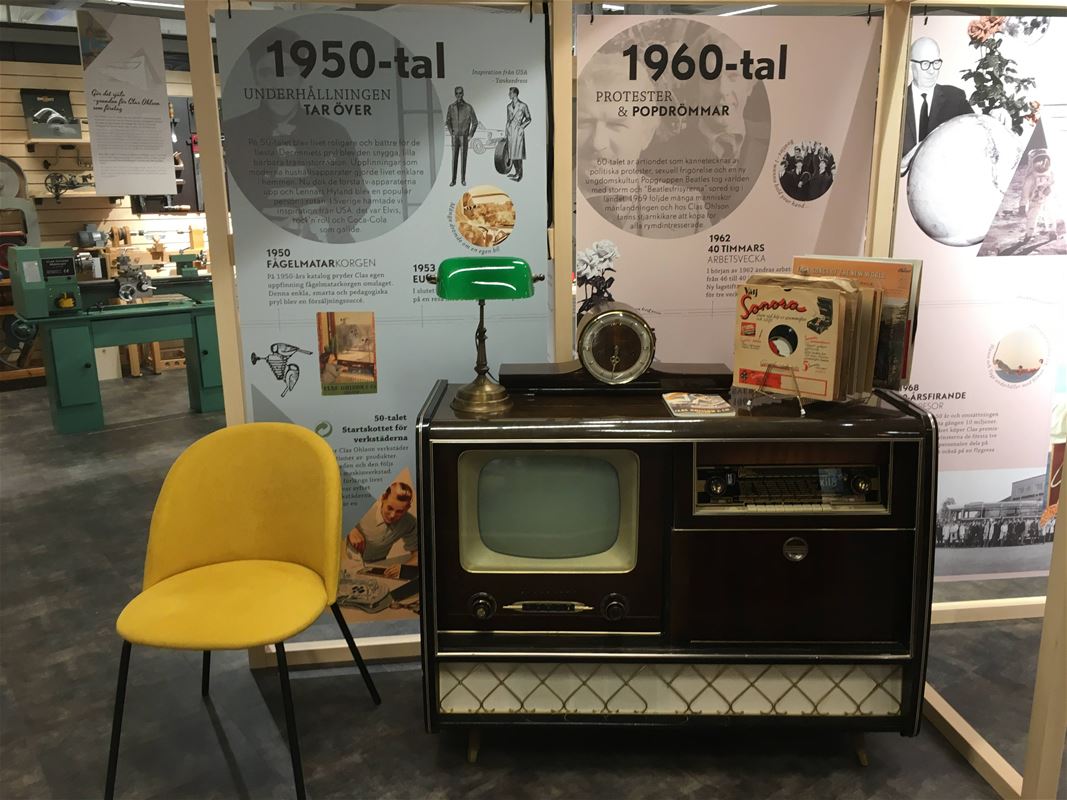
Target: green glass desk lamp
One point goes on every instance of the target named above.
(483, 278)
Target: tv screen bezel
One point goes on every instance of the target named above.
(476, 557)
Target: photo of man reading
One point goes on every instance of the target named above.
(386, 522)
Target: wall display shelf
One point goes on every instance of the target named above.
(65, 144)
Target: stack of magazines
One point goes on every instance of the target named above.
(834, 328)
(898, 279)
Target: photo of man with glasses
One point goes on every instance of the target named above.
(929, 103)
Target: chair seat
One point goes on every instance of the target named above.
(227, 606)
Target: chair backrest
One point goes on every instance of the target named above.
(264, 490)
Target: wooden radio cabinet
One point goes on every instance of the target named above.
(590, 559)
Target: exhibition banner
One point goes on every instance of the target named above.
(362, 149)
(711, 148)
(126, 103)
(985, 134)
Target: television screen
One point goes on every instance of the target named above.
(548, 510)
(548, 506)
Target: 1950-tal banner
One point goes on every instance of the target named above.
(362, 149)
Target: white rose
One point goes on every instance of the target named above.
(606, 251)
(583, 266)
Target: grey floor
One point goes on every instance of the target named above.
(74, 512)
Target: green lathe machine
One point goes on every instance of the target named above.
(75, 317)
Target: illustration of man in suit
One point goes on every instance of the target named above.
(461, 122)
(929, 103)
(518, 118)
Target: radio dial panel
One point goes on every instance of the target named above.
(788, 488)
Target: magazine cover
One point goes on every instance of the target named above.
(49, 114)
(846, 321)
(788, 340)
(347, 346)
(691, 404)
(898, 279)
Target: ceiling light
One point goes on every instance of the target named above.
(747, 10)
(176, 6)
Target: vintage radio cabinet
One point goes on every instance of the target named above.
(590, 558)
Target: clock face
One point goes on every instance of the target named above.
(616, 347)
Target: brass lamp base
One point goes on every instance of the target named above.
(481, 397)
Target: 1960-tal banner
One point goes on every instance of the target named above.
(362, 149)
(709, 148)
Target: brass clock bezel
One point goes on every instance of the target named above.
(599, 319)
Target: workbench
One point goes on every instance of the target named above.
(68, 344)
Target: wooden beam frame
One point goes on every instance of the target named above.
(335, 653)
(889, 113)
(980, 754)
(216, 207)
(562, 16)
(1048, 711)
(1048, 723)
(987, 610)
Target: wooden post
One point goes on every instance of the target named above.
(216, 208)
(1048, 714)
(134, 355)
(563, 177)
(889, 110)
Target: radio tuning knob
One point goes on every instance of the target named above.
(861, 483)
(482, 606)
(614, 607)
(716, 486)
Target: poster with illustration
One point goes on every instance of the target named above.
(347, 362)
(981, 202)
(126, 103)
(363, 148)
(711, 148)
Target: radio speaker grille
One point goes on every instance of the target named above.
(824, 690)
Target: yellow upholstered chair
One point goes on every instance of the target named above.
(243, 551)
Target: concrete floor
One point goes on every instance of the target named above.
(74, 512)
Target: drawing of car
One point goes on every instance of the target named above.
(485, 138)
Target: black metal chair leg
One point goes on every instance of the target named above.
(205, 674)
(290, 722)
(116, 723)
(355, 654)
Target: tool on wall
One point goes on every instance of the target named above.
(58, 183)
(92, 236)
(14, 197)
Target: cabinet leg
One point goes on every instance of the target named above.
(474, 743)
(859, 745)
(134, 353)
